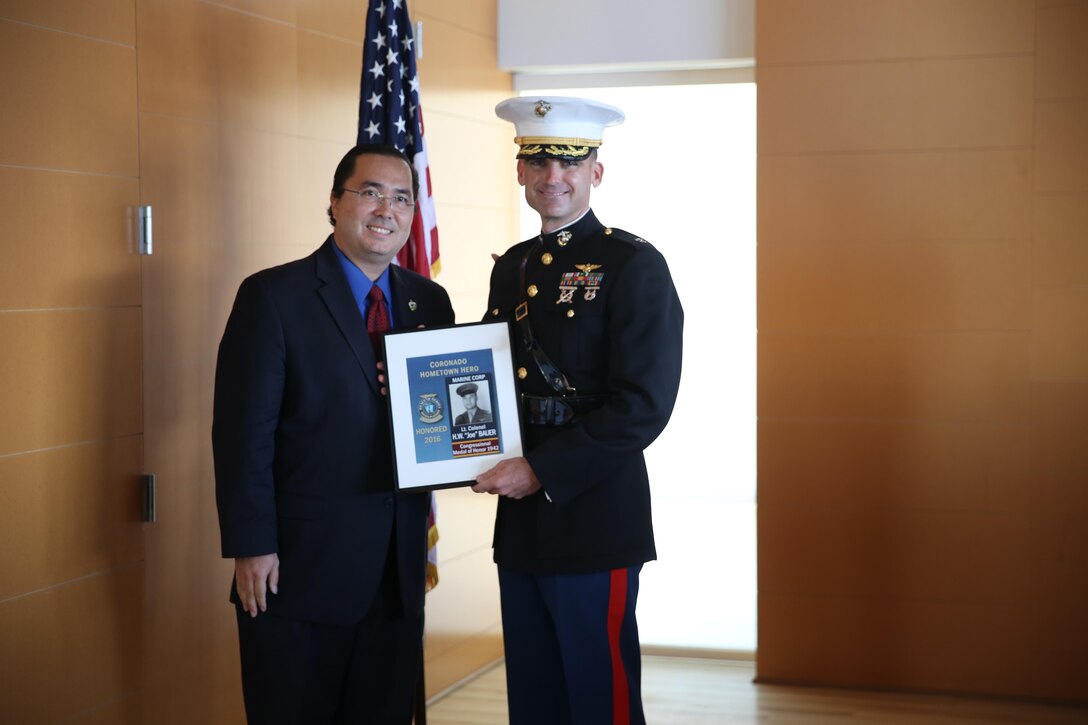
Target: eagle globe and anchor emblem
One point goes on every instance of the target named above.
(429, 408)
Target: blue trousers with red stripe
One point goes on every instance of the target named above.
(572, 651)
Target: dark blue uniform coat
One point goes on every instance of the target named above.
(615, 331)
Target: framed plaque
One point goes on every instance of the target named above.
(453, 403)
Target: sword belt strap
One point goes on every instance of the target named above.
(553, 375)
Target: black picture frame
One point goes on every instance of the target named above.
(454, 408)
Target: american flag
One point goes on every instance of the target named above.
(389, 113)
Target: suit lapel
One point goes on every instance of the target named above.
(408, 308)
(340, 302)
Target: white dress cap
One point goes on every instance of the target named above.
(557, 126)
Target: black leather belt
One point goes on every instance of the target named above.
(557, 410)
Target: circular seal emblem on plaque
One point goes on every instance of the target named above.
(429, 408)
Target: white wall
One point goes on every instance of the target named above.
(637, 34)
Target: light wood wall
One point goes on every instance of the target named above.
(71, 574)
(228, 118)
(923, 345)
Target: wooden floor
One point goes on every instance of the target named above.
(683, 691)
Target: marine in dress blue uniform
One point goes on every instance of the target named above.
(598, 340)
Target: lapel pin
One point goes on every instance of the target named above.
(412, 305)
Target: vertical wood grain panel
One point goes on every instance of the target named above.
(70, 649)
(88, 494)
(85, 363)
(1062, 53)
(112, 20)
(1061, 239)
(325, 67)
(946, 196)
(798, 31)
(908, 286)
(82, 257)
(1061, 146)
(70, 376)
(922, 315)
(77, 110)
(972, 102)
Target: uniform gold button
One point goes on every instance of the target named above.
(570, 313)
(495, 312)
(547, 258)
(533, 290)
(522, 373)
(608, 232)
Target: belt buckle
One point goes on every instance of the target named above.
(521, 311)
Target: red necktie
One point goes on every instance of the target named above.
(377, 318)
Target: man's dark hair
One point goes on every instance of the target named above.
(346, 168)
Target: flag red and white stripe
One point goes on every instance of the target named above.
(390, 113)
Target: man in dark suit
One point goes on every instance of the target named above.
(598, 341)
(330, 562)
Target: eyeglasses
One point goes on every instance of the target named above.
(399, 202)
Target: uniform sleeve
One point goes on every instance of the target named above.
(249, 384)
(645, 345)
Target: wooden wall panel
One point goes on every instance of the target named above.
(177, 59)
(931, 104)
(1060, 339)
(798, 31)
(1061, 154)
(949, 556)
(902, 285)
(469, 89)
(1062, 53)
(935, 196)
(90, 497)
(982, 647)
(76, 111)
(344, 19)
(70, 649)
(86, 361)
(466, 269)
(955, 467)
(325, 67)
(969, 376)
(1061, 239)
(922, 354)
(1059, 419)
(112, 20)
(464, 625)
(70, 375)
(476, 16)
(82, 257)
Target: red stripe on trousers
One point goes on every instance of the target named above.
(617, 604)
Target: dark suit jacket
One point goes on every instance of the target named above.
(303, 462)
(616, 331)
